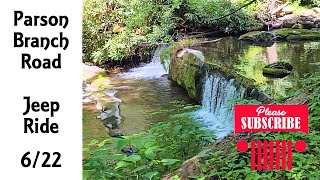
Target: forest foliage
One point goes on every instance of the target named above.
(119, 29)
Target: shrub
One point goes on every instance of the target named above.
(149, 155)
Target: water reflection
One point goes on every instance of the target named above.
(249, 59)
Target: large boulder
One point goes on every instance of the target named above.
(289, 20)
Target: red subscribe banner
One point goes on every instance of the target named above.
(271, 118)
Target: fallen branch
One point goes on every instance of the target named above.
(212, 41)
(221, 17)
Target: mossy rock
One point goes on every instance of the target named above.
(297, 26)
(258, 36)
(281, 34)
(275, 73)
(297, 34)
(280, 65)
(277, 70)
(188, 75)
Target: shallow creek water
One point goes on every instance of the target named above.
(147, 97)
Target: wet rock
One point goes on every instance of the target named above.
(289, 23)
(316, 20)
(115, 133)
(86, 100)
(297, 26)
(307, 24)
(300, 99)
(275, 73)
(289, 20)
(109, 111)
(297, 34)
(258, 36)
(110, 116)
(280, 65)
(254, 93)
(277, 70)
(282, 34)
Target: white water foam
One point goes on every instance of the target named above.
(215, 112)
(152, 70)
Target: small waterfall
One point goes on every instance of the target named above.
(152, 70)
(215, 111)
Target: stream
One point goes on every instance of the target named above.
(143, 95)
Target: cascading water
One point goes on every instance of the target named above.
(152, 70)
(216, 112)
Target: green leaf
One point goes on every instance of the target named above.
(150, 175)
(94, 142)
(138, 143)
(149, 144)
(177, 128)
(133, 158)
(118, 157)
(149, 153)
(197, 177)
(139, 168)
(122, 143)
(121, 164)
(103, 142)
(169, 161)
(85, 175)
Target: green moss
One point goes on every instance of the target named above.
(186, 74)
(275, 72)
(297, 34)
(304, 37)
(100, 81)
(257, 36)
(287, 34)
